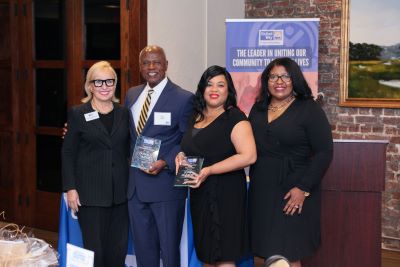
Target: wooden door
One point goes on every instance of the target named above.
(60, 40)
(10, 137)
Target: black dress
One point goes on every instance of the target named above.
(292, 151)
(218, 206)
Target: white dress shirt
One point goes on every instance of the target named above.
(137, 107)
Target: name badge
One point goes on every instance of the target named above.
(162, 118)
(91, 116)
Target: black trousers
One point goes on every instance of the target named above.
(105, 231)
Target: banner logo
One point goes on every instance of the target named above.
(270, 37)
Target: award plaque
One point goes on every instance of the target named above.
(190, 167)
(145, 152)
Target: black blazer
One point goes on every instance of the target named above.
(95, 162)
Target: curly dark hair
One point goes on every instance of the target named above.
(200, 103)
(301, 89)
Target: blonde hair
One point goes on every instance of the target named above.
(101, 65)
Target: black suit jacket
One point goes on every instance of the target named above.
(94, 161)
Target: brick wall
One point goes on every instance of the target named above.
(347, 123)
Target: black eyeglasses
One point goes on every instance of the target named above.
(275, 78)
(99, 83)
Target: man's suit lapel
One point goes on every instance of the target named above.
(133, 97)
(131, 101)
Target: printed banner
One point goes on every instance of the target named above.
(251, 44)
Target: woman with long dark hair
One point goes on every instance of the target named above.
(221, 134)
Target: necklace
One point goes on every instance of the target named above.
(98, 110)
(283, 105)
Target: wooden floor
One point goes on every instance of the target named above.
(389, 258)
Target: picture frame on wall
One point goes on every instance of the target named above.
(370, 54)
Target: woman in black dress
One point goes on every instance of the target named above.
(294, 148)
(221, 134)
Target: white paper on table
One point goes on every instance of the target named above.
(79, 257)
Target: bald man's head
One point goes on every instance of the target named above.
(153, 64)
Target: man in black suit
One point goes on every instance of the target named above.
(156, 207)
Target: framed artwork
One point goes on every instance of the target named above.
(370, 54)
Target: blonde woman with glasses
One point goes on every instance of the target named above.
(95, 167)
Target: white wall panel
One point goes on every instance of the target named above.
(192, 32)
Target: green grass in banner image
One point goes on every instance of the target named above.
(374, 79)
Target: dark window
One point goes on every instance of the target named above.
(102, 29)
(49, 29)
(48, 156)
(51, 98)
